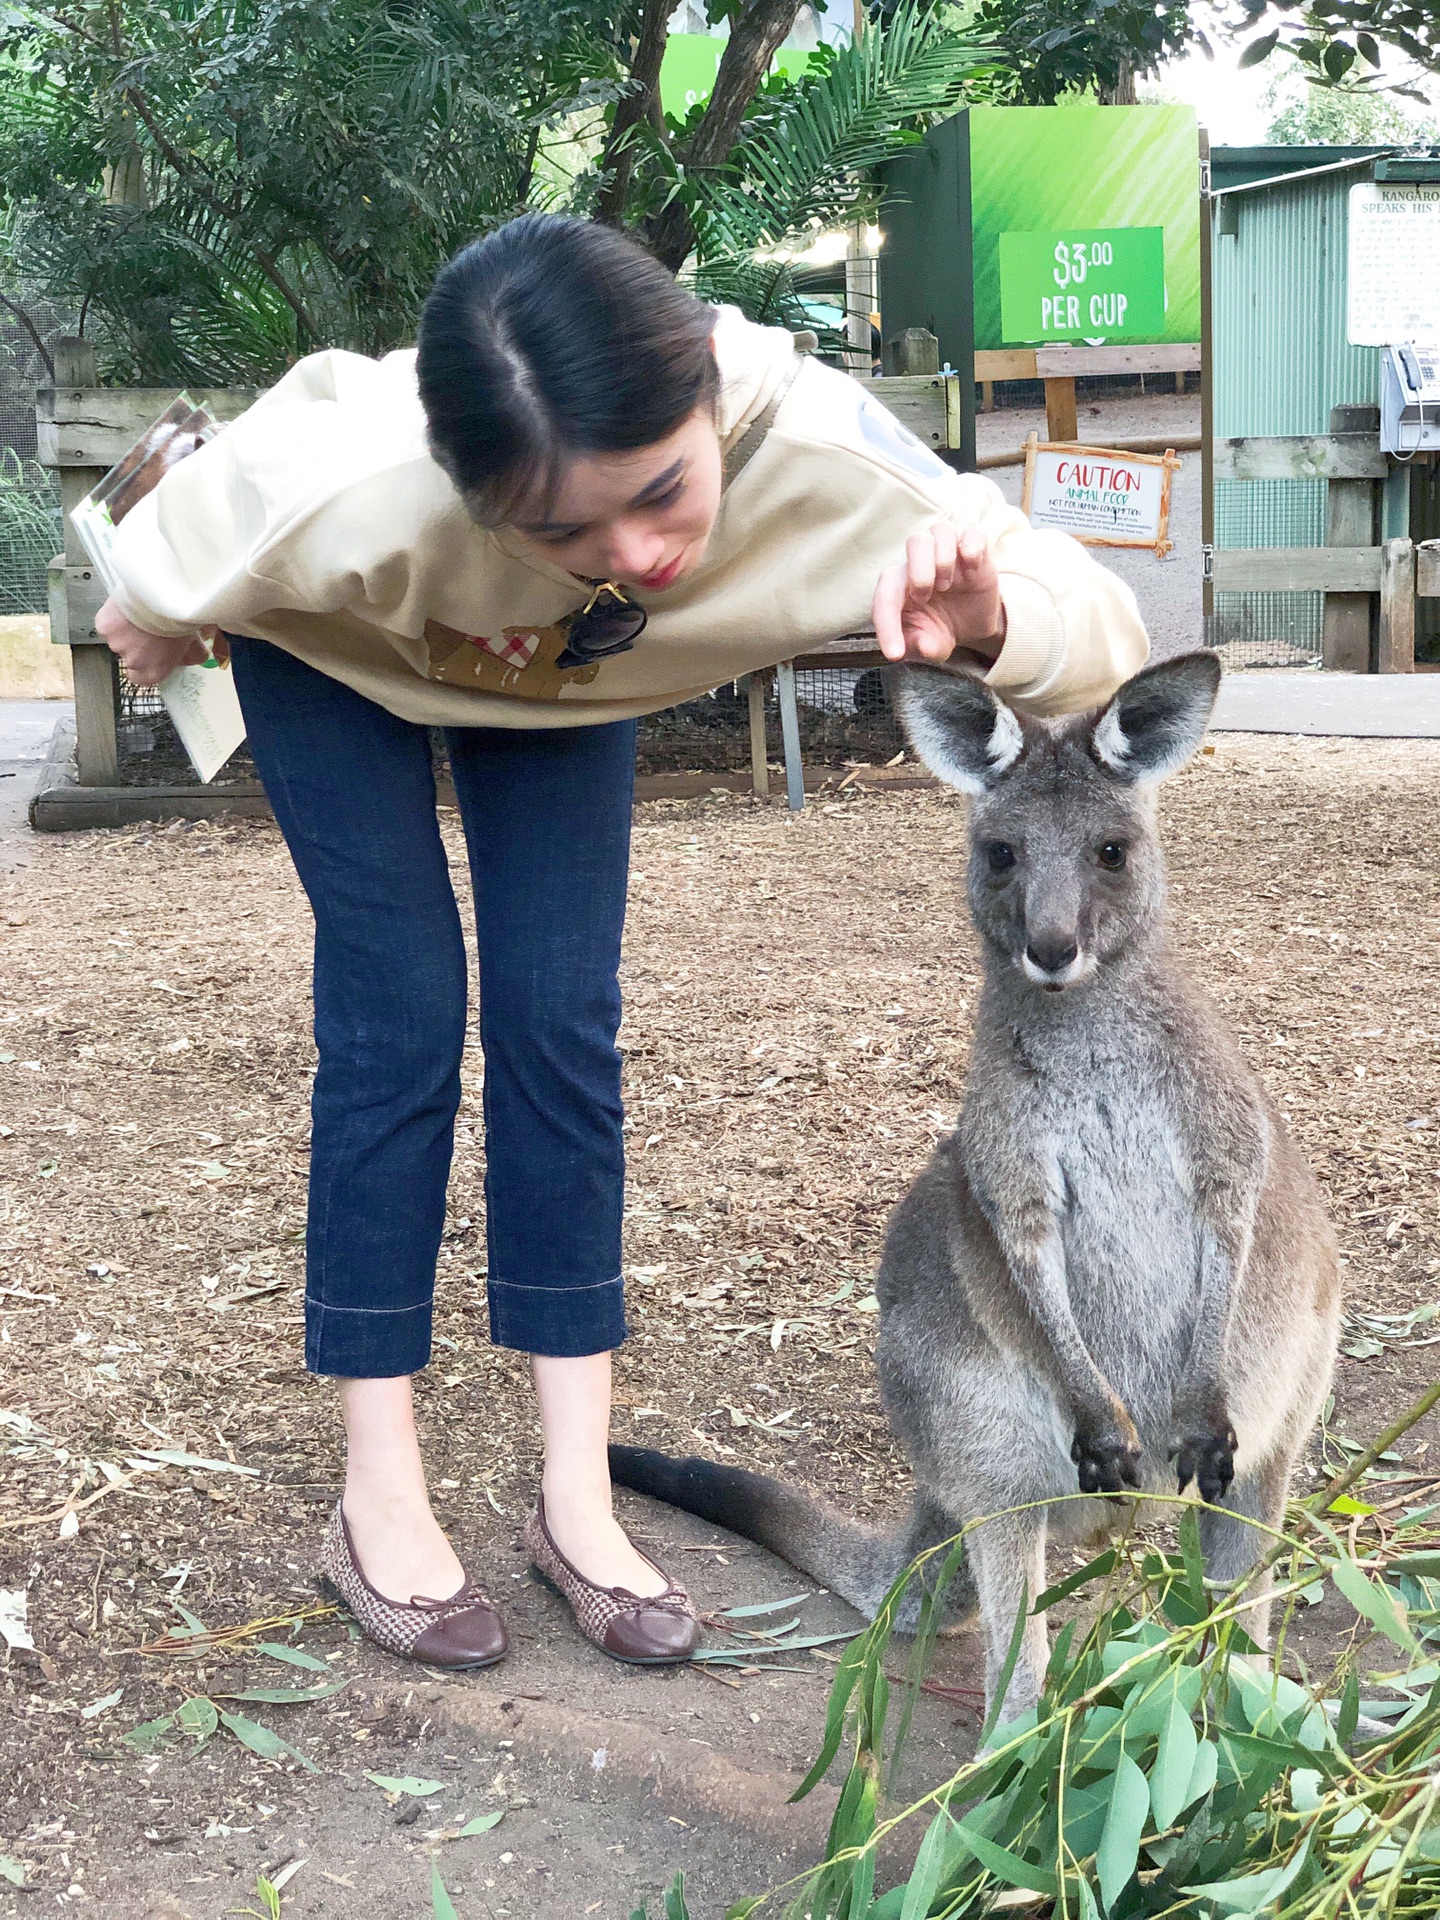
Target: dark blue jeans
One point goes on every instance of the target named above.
(547, 825)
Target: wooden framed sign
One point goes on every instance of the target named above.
(1101, 497)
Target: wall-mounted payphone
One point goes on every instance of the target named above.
(1410, 400)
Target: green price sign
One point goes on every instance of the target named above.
(1104, 283)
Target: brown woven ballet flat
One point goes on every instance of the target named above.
(463, 1631)
(647, 1631)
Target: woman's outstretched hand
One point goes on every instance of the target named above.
(148, 658)
(944, 595)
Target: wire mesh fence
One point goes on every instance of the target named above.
(845, 714)
(30, 533)
(30, 526)
(1268, 629)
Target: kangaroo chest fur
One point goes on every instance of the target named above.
(1095, 1112)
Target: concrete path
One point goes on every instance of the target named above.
(1358, 705)
(26, 729)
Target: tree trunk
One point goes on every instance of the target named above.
(1122, 94)
(642, 102)
(755, 36)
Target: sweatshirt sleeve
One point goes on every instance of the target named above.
(214, 544)
(1073, 630)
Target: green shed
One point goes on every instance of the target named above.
(1281, 363)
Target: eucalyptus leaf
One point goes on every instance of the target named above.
(1375, 1603)
(482, 1823)
(261, 1740)
(442, 1906)
(1005, 1865)
(147, 1736)
(759, 1607)
(1250, 1892)
(199, 1717)
(286, 1696)
(293, 1656)
(406, 1783)
(1119, 1848)
(924, 1879)
(1173, 1765)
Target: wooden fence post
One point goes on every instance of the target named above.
(1060, 417)
(759, 752)
(916, 350)
(1397, 607)
(1349, 522)
(97, 671)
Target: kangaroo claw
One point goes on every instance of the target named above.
(1105, 1463)
(1209, 1460)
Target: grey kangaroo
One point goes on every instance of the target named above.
(1117, 1272)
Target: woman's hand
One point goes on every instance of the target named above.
(945, 594)
(148, 658)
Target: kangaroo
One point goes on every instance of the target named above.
(1118, 1271)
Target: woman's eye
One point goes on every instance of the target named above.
(1001, 857)
(1112, 856)
(670, 495)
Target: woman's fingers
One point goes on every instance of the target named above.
(919, 568)
(886, 612)
(946, 555)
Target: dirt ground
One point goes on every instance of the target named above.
(798, 1003)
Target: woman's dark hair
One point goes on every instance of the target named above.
(548, 338)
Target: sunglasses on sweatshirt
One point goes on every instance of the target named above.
(607, 623)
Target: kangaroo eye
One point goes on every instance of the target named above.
(1001, 857)
(1112, 856)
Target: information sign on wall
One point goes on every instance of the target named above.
(1394, 263)
(1103, 498)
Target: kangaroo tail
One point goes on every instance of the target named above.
(852, 1560)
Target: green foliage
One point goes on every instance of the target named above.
(1056, 47)
(804, 161)
(31, 533)
(1346, 116)
(1168, 1768)
(676, 1905)
(223, 184)
(1336, 41)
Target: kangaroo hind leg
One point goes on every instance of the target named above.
(1008, 1555)
(929, 1530)
(1233, 1540)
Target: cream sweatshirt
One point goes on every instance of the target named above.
(319, 520)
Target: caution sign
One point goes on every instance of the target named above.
(1101, 496)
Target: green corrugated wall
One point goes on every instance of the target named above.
(1281, 358)
(1281, 362)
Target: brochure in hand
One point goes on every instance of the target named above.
(201, 700)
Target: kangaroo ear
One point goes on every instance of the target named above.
(965, 736)
(1158, 719)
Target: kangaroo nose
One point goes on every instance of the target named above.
(1051, 956)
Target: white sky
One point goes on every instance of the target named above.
(1231, 102)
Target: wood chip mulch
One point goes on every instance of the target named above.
(799, 994)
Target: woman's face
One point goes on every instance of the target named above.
(641, 519)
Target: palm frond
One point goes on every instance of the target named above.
(808, 164)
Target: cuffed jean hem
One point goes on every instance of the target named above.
(366, 1343)
(559, 1323)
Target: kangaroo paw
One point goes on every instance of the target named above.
(1106, 1462)
(1209, 1460)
